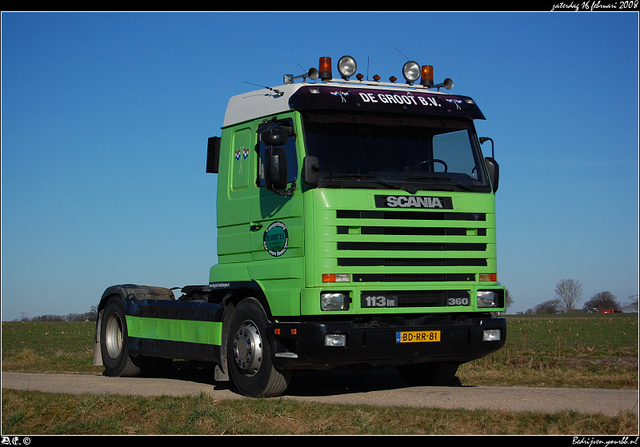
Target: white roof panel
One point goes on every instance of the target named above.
(265, 102)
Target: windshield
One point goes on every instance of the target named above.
(398, 152)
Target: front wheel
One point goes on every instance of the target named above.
(249, 353)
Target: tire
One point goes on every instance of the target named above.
(249, 353)
(429, 374)
(113, 342)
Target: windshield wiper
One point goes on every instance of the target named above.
(366, 178)
(441, 179)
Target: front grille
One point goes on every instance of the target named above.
(403, 244)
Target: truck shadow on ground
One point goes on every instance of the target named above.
(348, 380)
(338, 381)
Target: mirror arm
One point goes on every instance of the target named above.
(285, 192)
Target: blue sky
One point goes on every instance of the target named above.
(105, 119)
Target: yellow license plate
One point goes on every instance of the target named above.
(417, 336)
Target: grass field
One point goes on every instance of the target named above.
(585, 351)
(594, 351)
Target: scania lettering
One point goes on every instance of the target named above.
(355, 225)
(413, 202)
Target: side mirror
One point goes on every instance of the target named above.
(311, 171)
(213, 155)
(274, 137)
(484, 140)
(275, 170)
(494, 171)
(492, 164)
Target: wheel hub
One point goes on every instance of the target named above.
(113, 336)
(247, 348)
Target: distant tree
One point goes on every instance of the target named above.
(548, 307)
(602, 301)
(72, 317)
(93, 313)
(508, 301)
(569, 293)
(632, 305)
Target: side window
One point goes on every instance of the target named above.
(289, 146)
(454, 149)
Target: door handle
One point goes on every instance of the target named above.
(256, 227)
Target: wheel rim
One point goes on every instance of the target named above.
(247, 348)
(113, 336)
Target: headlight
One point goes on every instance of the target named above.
(335, 340)
(347, 66)
(491, 335)
(487, 298)
(411, 71)
(334, 301)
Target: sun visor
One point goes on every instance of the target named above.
(364, 100)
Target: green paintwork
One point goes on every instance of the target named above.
(203, 332)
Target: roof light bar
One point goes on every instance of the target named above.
(347, 67)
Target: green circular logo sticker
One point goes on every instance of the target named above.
(276, 239)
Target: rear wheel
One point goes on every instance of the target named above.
(113, 342)
(249, 353)
(115, 352)
(428, 374)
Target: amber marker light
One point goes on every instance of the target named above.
(488, 277)
(328, 277)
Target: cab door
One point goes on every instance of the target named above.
(277, 231)
(277, 219)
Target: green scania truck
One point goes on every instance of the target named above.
(356, 224)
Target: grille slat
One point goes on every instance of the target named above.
(410, 262)
(410, 246)
(413, 231)
(409, 215)
(395, 277)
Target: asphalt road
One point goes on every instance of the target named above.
(343, 388)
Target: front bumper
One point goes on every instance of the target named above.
(301, 345)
